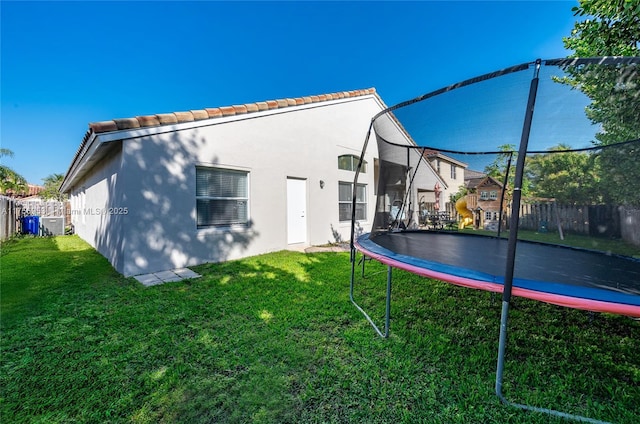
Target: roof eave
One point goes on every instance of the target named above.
(103, 132)
(79, 161)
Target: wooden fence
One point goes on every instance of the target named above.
(592, 220)
(45, 208)
(8, 220)
(14, 209)
(541, 216)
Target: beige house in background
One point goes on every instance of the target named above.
(452, 173)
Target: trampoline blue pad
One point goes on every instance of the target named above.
(539, 267)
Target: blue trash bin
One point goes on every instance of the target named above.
(31, 225)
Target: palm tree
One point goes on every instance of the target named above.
(10, 180)
(51, 190)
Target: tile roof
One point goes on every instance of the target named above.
(31, 190)
(216, 112)
(470, 173)
(473, 183)
(159, 119)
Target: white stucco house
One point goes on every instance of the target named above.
(165, 191)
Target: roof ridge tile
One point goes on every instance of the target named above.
(148, 120)
(213, 112)
(217, 112)
(167, 118)
(199, 115)
(127, 123)
(228, 110)
(240, 109)
(103, 126)
(184, 116)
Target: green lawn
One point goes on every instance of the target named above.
(274, 339)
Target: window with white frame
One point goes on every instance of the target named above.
(350, 163)
(453, 172)
(488, 215)
(345, 195)
(493, 195)
(222, 197)
(484, 195)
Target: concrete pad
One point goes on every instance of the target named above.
(148, 279)
(186, 273)
(166, 276)
(171, 279)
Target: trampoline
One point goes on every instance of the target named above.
(565, 276)
(560, 136)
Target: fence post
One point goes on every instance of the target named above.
(8, 219)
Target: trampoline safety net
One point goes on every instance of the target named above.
(555, 142)
(525, 181)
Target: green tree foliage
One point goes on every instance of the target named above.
(500, 166)
(611, 28)
(567, 177)
(620, 173)
(10, 180)
(52, 188)
(462, 191)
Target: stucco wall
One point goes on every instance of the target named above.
(157, 184)
(452, 186)
(97, 207)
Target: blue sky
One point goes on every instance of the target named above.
(66, 64)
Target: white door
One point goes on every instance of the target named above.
(296, 211)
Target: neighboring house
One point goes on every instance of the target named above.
(452, 172)
(484, 199)
(470, 174)
(31, 191)
(166, 191)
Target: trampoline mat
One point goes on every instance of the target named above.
(541, 267)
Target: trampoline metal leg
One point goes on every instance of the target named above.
(387, 315)
(385, 332)
(501, 349)
(500, 372)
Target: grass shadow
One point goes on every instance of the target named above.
(274, 338)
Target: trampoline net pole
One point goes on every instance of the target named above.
(354, 194)
(513, 230)
(510, 260)
(517, 186)
(504, 184)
